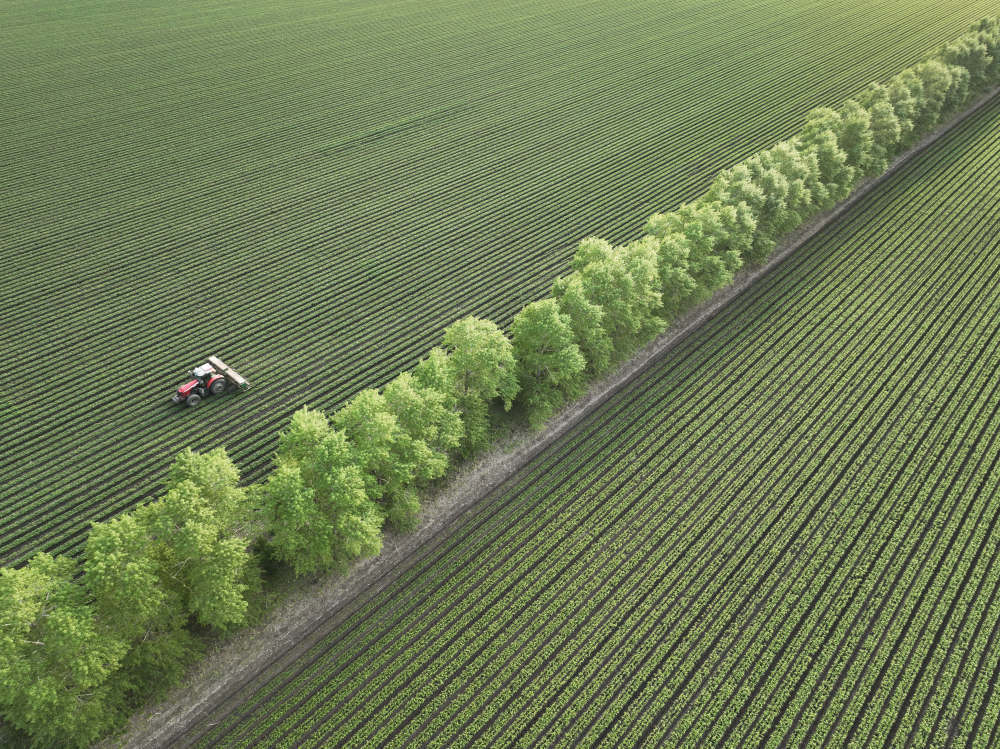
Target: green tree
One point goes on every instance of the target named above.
(987, 32)
(855, 136)
(904, 105)
(57, 663)
(677, 285)
(820, 138)
(218, 482)
(587, 321)
(186, 554)
(482, 361)
(428, 416)
(200, 559)
(316, 504)
(885, 126)
(436, 372)
(550, 365)
(970, 51)
(709, 228)
(123, 576)
(393, 463)
(624, 282)
(942, 88)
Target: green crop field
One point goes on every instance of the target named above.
(313, 190)
(785, 533)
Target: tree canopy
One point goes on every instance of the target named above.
(550, 365)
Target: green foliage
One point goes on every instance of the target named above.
(624, 283)
(427, 415)
(855, 136)
(393, 461)
(183, 555)
(902, 92)
(482, 362)
(713, 248)
(821, 136)
(550, 365)
(886, 126)
(436, 372)
(677, 285)
(587, 321)
(315, 502)
(199, 560)
(941, 87)
(972, 53)
(218, 482)
(56, 659)
(125, 578)
(770, 193)
(987, 32)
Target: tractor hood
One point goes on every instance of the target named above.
(186, 388)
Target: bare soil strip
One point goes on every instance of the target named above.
(315, 607)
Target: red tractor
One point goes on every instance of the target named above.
(212, 378)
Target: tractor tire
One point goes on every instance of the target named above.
(193, 400)
(218, 387)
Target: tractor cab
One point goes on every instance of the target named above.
(202, 372)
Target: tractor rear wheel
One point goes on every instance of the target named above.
(217, 387)
(193, 400)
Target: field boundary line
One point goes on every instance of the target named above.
(315, 607)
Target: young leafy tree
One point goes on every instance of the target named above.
(936, 85)
(820, 139)
(435, 372)
(677, 285)
(391, 461)
(856, 137)
(218, 481)
(123, 577)
(641, 257)
(427, 416)
(885, 126)
(316, 508)
(57, 663)
(987, 32)
(587, 322)
(482, 360)
(732, 186)
(624, 282)
(301, 534)
(707, 228)
(972, 52)
(905, 105)
(200, 559)
(183, 555)
(550, 366)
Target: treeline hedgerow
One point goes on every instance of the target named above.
(82, 643)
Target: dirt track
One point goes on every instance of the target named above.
(314, 608)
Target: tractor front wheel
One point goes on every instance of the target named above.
(217, 387)
(193, 400)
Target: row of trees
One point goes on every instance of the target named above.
(83, 642)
